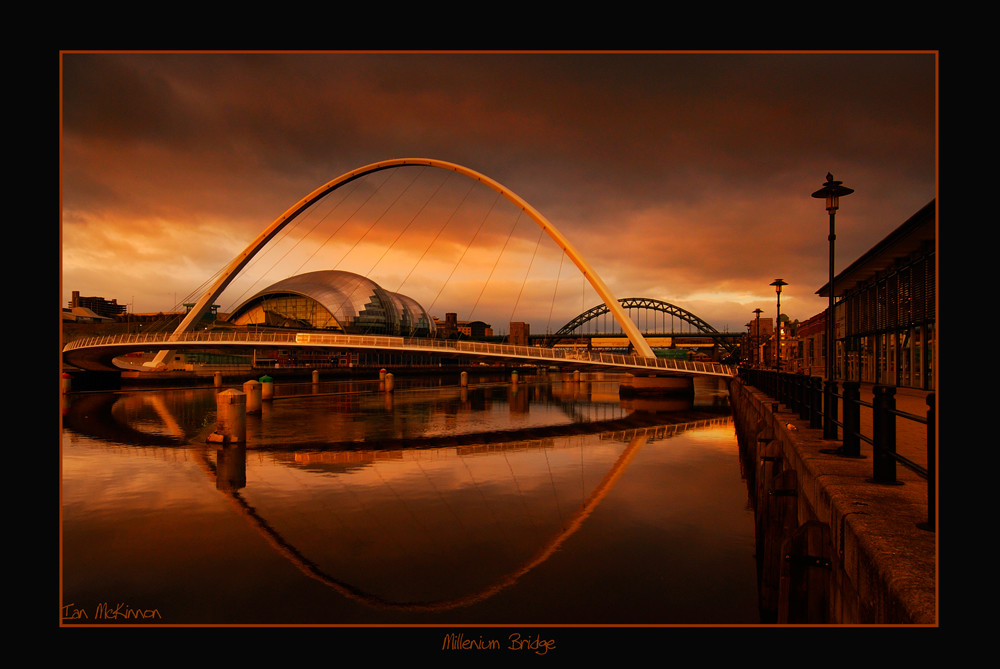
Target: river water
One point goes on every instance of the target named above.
(546, 502)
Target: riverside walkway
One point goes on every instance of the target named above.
(834, 545)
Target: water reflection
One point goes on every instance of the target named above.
(423, 503)
(503, 526)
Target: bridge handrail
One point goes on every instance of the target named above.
(457, 345)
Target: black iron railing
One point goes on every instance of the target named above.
(817, 402)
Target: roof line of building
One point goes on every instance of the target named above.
(908, 237)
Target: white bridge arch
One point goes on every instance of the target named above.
(639, 344)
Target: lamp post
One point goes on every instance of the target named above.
(831, 191)
(778, 283)
(756, 341)
(748, 341)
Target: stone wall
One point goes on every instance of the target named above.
(832, 547)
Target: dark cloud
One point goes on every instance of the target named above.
(688, 174)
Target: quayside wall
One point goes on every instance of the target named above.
(832, 547)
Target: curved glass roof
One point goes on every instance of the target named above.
(335, 300)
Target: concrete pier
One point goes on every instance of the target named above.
(832, 546)
(231, 426)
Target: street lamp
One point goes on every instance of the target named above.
(831, 191)
(778, 283)
(748, 340)
(756, 355)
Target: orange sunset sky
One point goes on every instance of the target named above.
(685, 177)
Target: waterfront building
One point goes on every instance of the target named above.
(334, 301)
(885, 309)
(811, 346)
(452, 328)
(94, 309)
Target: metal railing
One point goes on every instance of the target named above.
(816, 402)
(448, 346)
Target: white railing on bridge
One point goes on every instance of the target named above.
(473, 348)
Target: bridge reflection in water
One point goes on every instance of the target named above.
(547, 503)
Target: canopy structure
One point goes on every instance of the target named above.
(336, 301)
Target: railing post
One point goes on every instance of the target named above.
(816, 403)
(804, 402)
(931, 468)
(884, 434)
(830, 409)
(852, 419)
(792, 389)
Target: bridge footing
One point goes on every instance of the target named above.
(634, 385)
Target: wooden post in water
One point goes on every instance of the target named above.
(805, 576)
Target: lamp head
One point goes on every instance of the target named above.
(832, 191)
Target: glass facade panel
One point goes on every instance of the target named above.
(888, 325)
(335, 300)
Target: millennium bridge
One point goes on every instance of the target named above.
(97, 353)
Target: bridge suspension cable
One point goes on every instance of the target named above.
(635, 336)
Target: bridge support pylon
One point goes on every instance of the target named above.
(656, 384)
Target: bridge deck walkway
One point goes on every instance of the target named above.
(93, 349)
